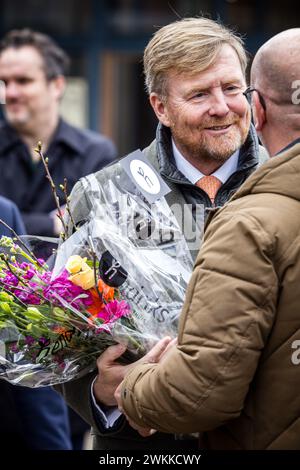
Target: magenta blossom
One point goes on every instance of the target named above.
(27, 296)
(41, 261)
(114, 310)
(29, 274)
(14, 347)
(46, 277)
(68, 291)
(29, 340)
(9, 279)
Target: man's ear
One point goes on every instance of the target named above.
(58, 86)
(160, 108)
(259, 113)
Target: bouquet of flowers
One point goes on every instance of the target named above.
(112, 280)
(47, 325)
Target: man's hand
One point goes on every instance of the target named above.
(111, 373)
(143, 431)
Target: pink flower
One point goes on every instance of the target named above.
(68, 291)
(29, 340)
(9, 279)
(15, 347)
(27, 296)
(114, 310)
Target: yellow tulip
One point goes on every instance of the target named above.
(75, 264)
(81, 274)
(84, 279)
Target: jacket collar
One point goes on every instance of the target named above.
(165, 154)
(64, 134)
(248, 156)
(290, 145)
(279, 175)
(68, 135)
(249, 153)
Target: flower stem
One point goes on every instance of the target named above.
(38, 150)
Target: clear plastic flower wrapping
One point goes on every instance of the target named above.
(130, 266)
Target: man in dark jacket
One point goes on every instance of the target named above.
(205, 148)
(33, 67)
(35, 419)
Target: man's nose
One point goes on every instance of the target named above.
(218, 105)
(12, 90)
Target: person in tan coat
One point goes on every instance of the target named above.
(233, 376)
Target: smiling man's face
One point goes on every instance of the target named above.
(207, 113)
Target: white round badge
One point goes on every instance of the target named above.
(145, 176)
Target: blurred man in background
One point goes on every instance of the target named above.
(33, 70)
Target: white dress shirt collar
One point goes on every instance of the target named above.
(194, 175)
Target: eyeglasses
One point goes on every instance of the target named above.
(247, 94)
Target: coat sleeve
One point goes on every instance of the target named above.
(77, 394)
(228, 313)
(10, 214)
(17, 224)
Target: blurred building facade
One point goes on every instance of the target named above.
(105, 40)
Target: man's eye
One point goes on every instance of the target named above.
(232, 89)
(24, 81)
(199, 95)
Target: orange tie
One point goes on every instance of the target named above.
(211, 185)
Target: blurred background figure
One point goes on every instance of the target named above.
(32, 68)
(35, 419)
